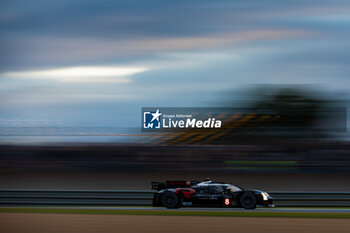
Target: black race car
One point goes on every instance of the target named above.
(176, 194)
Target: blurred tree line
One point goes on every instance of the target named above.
(274, 113)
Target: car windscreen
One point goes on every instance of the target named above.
(233, 188)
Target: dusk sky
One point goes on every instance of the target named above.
(96, 63)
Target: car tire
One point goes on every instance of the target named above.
(170, 200)
(156, 202)
(248, 200)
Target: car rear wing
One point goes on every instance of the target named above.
(173, 184)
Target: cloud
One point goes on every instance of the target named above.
(17, 122)
(81, 74)
(53, 53)
(49, 52)
(68, 50)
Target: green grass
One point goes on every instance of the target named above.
(175, 213)
(243, 162)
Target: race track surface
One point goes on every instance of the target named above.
(90, 223)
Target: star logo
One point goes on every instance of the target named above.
(156, 115)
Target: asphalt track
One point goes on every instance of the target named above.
(265, 210)
(92, 223)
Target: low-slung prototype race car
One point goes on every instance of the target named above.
(176, 194)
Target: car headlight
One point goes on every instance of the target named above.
(265, 196)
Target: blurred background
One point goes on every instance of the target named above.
(74, 76)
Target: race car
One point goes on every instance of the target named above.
(180, 193)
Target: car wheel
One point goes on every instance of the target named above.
(156, 202)
(248, 200)
(170, 200)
